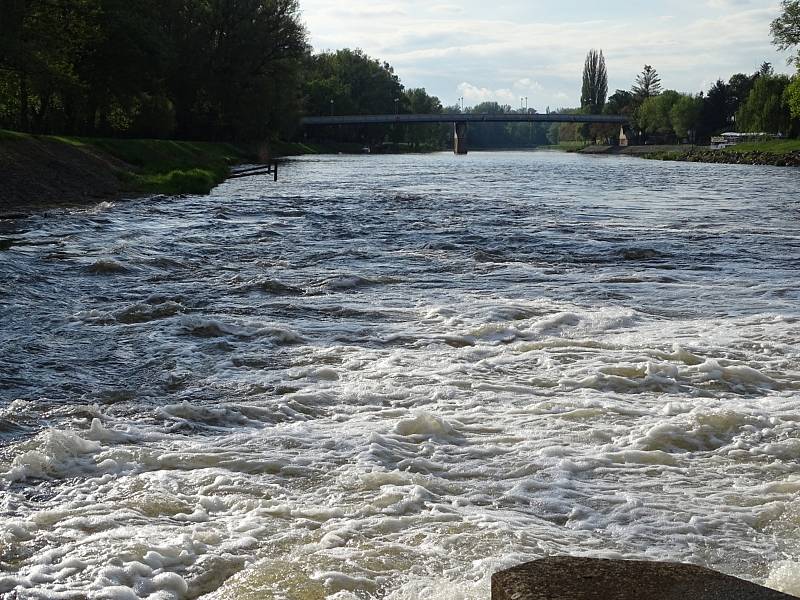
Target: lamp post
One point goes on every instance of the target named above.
(397, 106)
(331, 106)
(530, 123)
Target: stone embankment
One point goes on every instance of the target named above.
(733, 158)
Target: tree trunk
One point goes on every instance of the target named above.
(24, 110)
(39, 115)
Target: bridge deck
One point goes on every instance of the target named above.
(463, 118)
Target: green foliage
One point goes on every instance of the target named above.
(209, 69)
(193, 181)
(620, 102)
(418, 101)
(685, 116)
(168, 167)
(349, 82)
(786, 28)
(595, 83)
(769, 146)
(655, 113)
(766, 109)
(718, 109)
(647, 85)
(793, 97)
(11, 136)
(154, 117)
(356, 83)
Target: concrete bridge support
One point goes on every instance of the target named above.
(460, 138)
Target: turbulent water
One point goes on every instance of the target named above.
(389, 377)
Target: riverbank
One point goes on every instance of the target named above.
(44, 171)
(778, 153)
(39, 172)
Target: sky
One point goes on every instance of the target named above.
(485, 50)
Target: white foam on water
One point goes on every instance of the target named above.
(297, 431)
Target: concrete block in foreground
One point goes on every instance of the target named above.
(566, 578)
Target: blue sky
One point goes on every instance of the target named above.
(506, 50)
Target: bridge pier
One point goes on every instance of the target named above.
(460, 137)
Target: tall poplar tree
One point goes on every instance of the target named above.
(595, 83)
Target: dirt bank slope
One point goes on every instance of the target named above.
(38, 172)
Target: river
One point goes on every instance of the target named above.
(390, 376)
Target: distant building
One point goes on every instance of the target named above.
(623, 138)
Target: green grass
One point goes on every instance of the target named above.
(157, 166)
(170, 167)
(9, 136)
(771, 146)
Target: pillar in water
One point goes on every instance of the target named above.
(460, 138)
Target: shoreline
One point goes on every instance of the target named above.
(745, 155)
(46, 172)
(39, 172)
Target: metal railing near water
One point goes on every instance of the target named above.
(266, 169)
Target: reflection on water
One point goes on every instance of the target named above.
(388, 377)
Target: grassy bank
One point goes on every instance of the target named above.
(139, 166)
(164, 166)
(168, 167)
(780, 153)
(771, 147)
(777, 153)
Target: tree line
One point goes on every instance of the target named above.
(210, 69)
(243, 70)
(761, 102)
(187, 69)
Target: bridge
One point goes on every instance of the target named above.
(461, 120)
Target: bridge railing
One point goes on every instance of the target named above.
(462, 118)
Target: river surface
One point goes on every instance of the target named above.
(389, 377)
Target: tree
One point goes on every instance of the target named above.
(793, 97)
(212, 68)
(595, 83)
(739, 87)
(648, 84)
(620, 102)
(718, 110)
(42, 41)
(654, 115)
(685, 116)
(786, 28)
(418, 101)
(766, 109)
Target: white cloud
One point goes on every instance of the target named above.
(474, 95)
(536, 48)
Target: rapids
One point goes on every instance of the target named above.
(386, 377)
